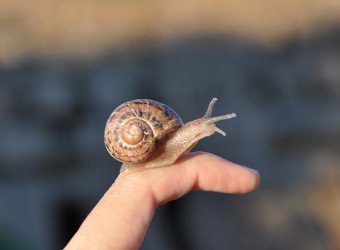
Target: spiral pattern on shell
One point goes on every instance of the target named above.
(136, 127)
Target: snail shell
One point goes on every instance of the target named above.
(136, 127)
(144, 134)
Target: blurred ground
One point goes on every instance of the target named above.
(65, 65)
(49, 28)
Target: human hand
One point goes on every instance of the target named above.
(121, 218)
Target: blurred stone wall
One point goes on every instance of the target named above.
(54, 166)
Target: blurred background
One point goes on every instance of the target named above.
(65, 65)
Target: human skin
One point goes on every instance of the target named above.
(122, 216)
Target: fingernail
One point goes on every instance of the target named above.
(257, 174)
(251, 169)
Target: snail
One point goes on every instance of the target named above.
(147, 134)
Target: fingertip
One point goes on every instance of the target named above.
(252, 180)
(214, 173)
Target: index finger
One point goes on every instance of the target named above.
(196, 170)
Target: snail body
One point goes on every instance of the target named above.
(146, 134)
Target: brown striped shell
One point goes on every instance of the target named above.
(136, 127)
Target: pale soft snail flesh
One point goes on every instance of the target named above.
(148, 134)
